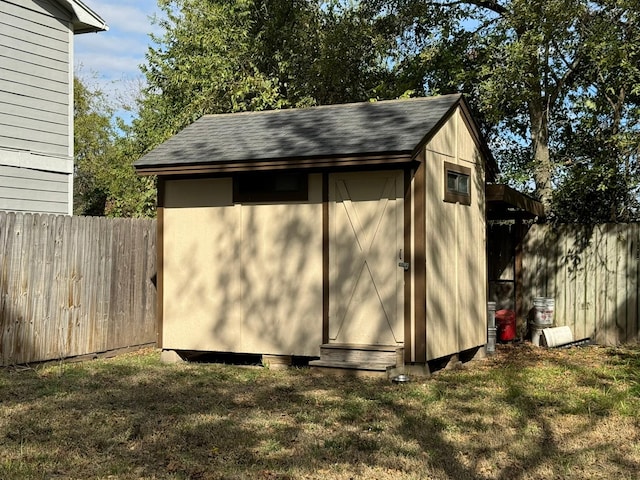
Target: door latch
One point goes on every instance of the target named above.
(402, 263)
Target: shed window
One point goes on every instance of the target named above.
(457, 184)
(270, 187)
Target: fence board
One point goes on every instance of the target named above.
(633, 281)
(588, 318)
(608, 290)
(529, 266)
(593, 274)
(563, 300)
(73, 286)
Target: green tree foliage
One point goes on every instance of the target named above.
(544, 76)
(203, 64)
(105, 182)
(130, 195)
(598, 157)
(93, 142)
(220, 56)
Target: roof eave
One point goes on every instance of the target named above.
(505, 203)
(303, 163)
(84, 19)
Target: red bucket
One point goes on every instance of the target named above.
(506, 325)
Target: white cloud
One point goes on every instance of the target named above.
(110, 66)
(110, 60)
(126, 17)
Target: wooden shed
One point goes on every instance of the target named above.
(353, 233)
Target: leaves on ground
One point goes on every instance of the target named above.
(523, 413)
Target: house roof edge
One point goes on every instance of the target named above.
(84, 19)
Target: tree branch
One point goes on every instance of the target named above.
(565, 79)
(491, 5)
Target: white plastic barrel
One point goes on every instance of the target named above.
(554, 337)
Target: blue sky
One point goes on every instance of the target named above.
(110, 60)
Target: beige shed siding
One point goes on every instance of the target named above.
(441, 267)
(455, 239)
(282, 275)
(250, 279)
(35, 59)
(201, 300)
(473, 319)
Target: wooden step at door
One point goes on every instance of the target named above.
(365, 358)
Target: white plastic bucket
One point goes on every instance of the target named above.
(536, 333)
(550, 305)
(554, 337)
(543, 311)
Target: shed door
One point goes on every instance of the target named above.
(366, 284)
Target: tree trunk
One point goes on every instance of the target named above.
(540, 152)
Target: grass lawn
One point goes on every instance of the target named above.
(524, 413)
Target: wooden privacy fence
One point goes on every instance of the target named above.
(591, 272)
(74, 286)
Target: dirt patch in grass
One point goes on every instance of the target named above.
(524, 413)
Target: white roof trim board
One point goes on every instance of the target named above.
(84, 19)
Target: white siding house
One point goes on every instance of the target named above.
(36, 102)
